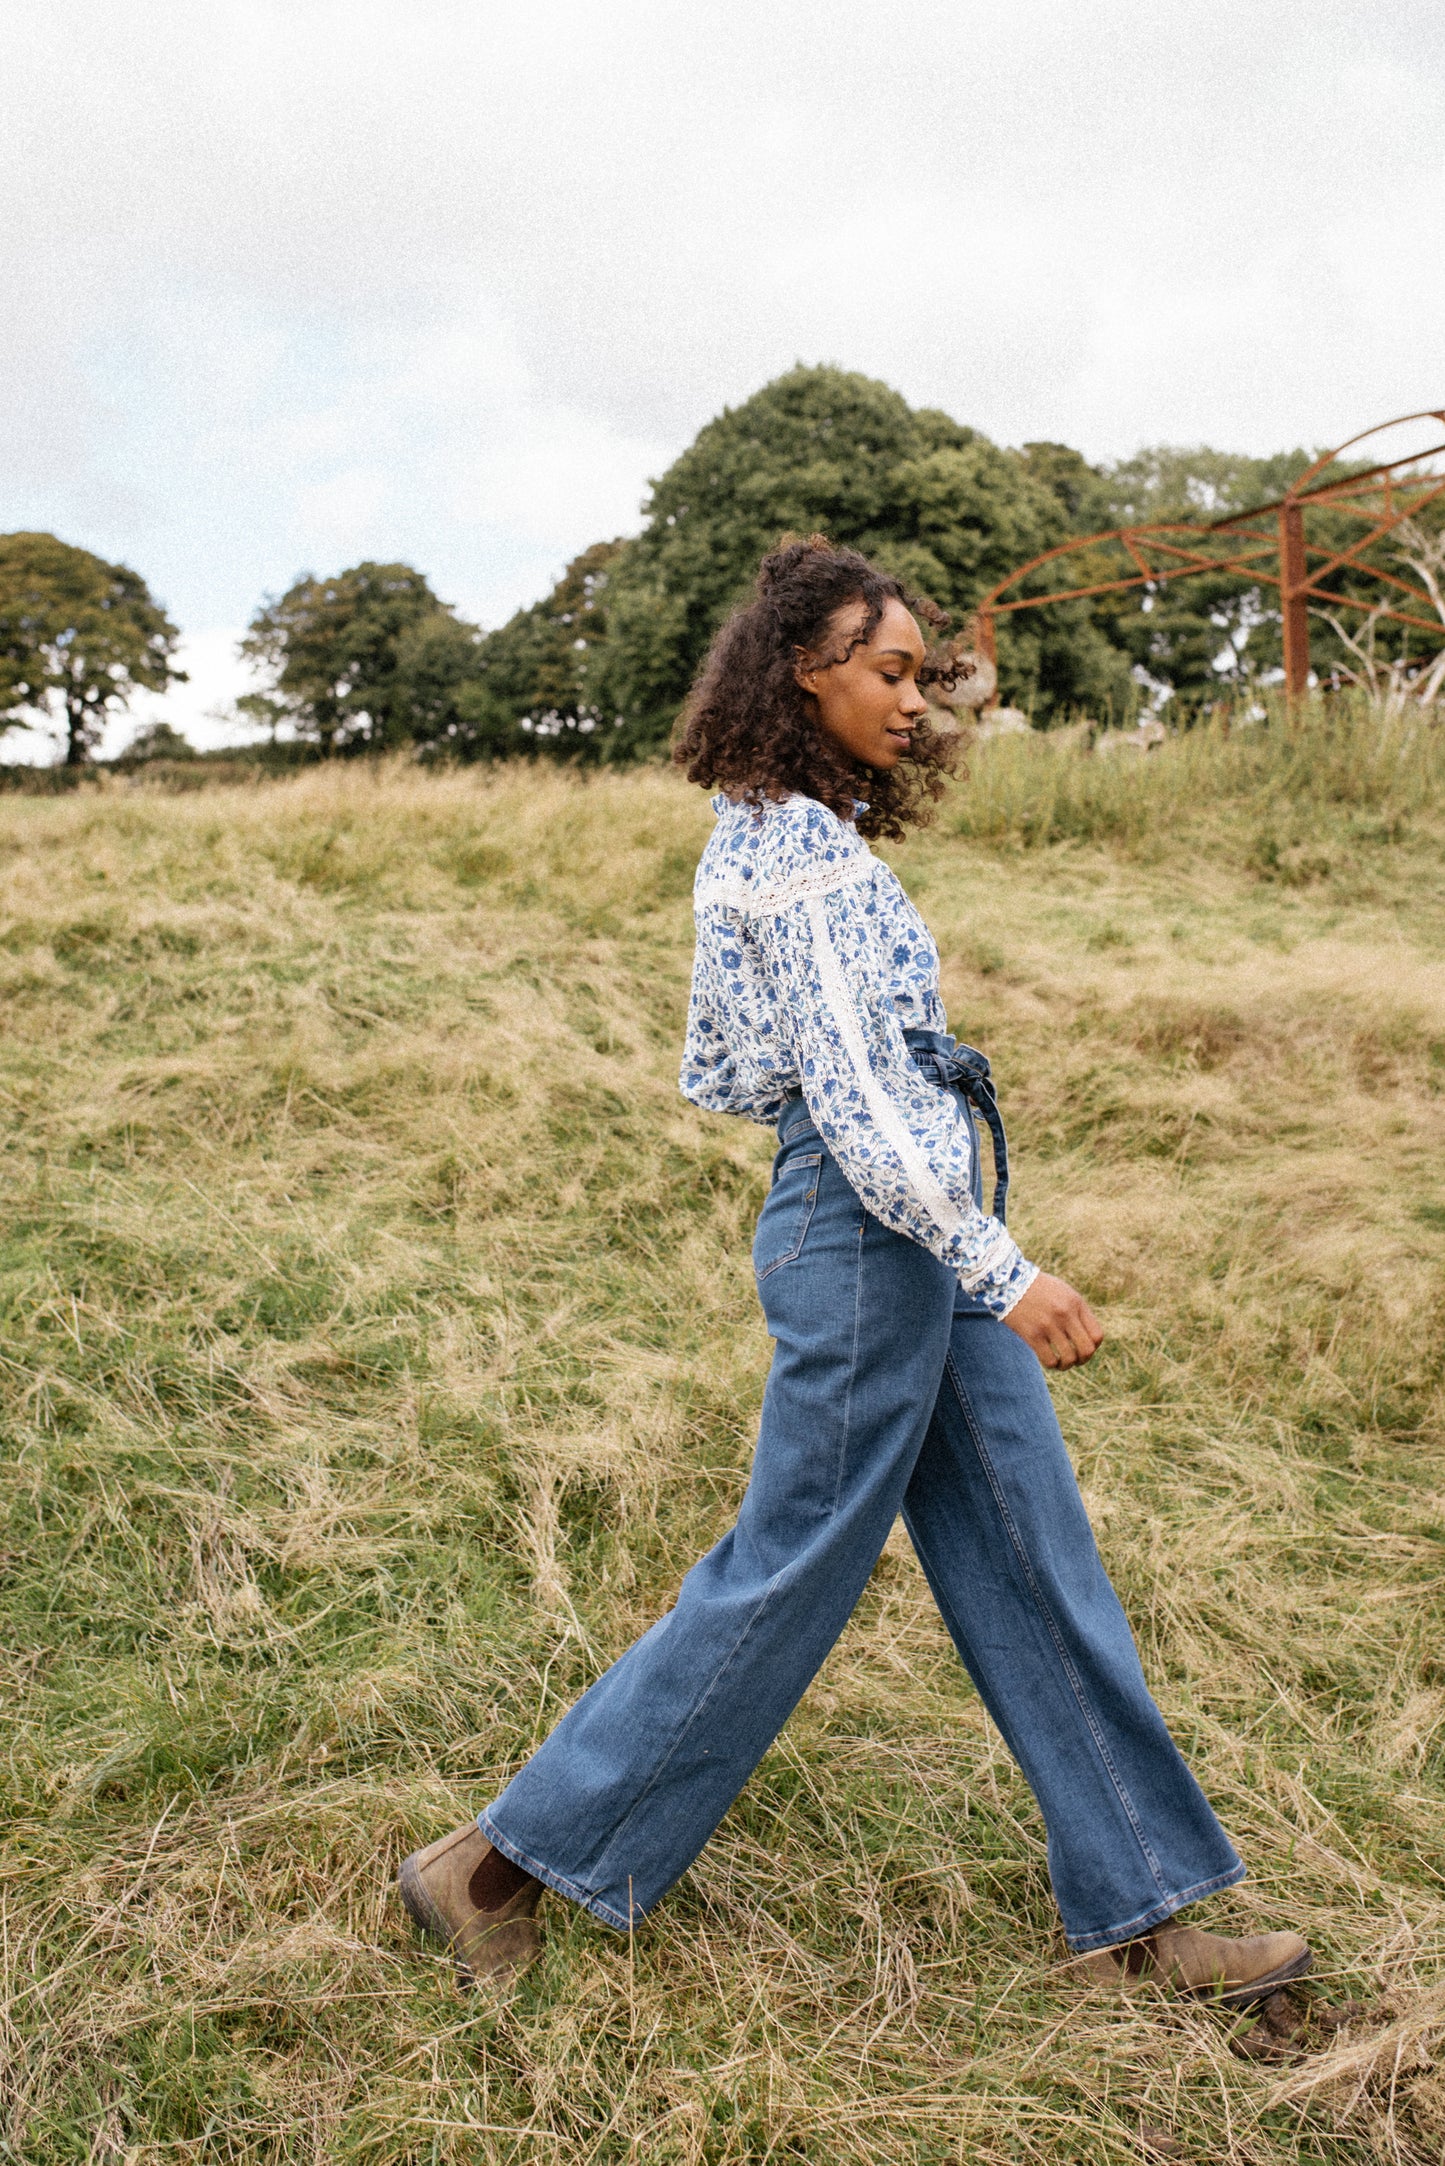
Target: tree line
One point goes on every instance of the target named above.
(371, 658)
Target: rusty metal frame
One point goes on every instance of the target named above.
(1266, 546)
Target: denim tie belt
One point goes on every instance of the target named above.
(946, 1062)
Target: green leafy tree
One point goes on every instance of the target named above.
(1082, 490)
(437, 661)
(363, 659)
(601, 666)
(263, 711)
(1170, 481)
(533, 681)
(78, 639)
(159, 741)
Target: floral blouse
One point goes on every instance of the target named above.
(811, 963)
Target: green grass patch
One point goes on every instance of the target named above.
(379, 1347)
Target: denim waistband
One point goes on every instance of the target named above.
(953, 1065)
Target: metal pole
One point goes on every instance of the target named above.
(1293, 607)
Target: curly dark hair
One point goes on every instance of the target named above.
(749, 727)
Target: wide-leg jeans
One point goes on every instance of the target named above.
(889, 1392)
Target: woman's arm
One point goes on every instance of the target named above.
(900, 1139)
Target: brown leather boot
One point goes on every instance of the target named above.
(1235, 1972)
(478, 1902)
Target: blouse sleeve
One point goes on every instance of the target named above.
(900, 1139)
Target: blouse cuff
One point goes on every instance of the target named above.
(1004, 1277)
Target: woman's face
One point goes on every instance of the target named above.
(869, 705)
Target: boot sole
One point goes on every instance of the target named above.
(1258, 1989)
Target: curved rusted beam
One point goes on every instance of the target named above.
(1297, 579)
(1401, 421)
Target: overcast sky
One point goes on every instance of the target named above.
(288, 285)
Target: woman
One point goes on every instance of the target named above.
(910, 1334)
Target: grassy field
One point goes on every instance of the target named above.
(380, 1346)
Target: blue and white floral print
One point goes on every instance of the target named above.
(811, 963)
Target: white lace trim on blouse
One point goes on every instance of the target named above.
(891, 1123)
(732, 892)
(811, 965)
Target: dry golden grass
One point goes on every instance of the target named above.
(380, 1346)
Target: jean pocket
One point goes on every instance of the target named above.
(783, 1225)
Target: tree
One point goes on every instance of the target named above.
(350, 656)
(159, 741)
(532, 681)
(78, 638)
(437, 661)
(1170, 481)
(1082, 490)
(1387, 660)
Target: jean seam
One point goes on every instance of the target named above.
(1075, 1682)
(683, 1727)
(852, 1371)
(810, 1205)
(696, 1710)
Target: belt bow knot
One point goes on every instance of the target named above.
(949, 1062)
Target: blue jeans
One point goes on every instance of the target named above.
(889, 1391)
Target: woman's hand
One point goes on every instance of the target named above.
(1056, 1322)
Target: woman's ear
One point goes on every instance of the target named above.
(805, 670)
